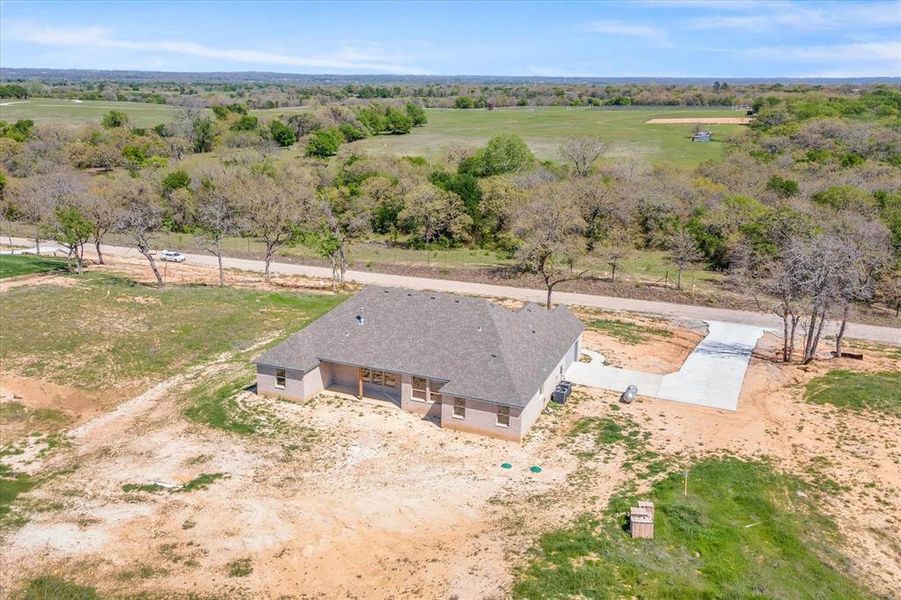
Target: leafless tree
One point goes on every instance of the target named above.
(141, 217)
(683, 252)
(782, 282)
(218, 212)
(820, 267)
(101, 207)
(616, 248)
(550, 230)
(864, 256)
(582, 151)
(41, 193)
(274, 207)
(338, 218)
(432, 213)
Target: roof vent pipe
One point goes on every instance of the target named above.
(360, 320)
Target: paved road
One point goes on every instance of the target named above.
(712, 375)
(889, 335)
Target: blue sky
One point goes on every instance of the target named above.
(675, 38)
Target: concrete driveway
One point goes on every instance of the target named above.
(712, 375)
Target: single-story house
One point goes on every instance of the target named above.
(467, 363)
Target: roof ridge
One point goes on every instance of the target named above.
(491, 308)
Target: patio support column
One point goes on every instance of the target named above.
(360, 384)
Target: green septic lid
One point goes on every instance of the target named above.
(535, 469)
(506, 466)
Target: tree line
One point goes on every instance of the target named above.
(810, 238)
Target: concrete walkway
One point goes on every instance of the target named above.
(873, 333)
(712, 375)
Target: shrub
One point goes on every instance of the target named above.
(282, 134)
(325, 142)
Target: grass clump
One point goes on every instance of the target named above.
(51, 587)
(626, 332)
(201, 482)
(11, 485)
(241, 567)
(123, 331)
(15, 265)
(219, 405)
(858, 391)
(741, 532)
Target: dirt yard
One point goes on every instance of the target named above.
(385, 504)
(363, 500)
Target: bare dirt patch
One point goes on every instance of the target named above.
(658, 353)
(702, 121)
(72, 405)
(186, 274)
(386, 504)
(36, 279)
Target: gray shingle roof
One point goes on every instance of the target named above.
(479, 348)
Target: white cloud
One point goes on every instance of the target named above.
(370, 58)
(864, 52)
(872, 59)
(777, 16)
(649, 33)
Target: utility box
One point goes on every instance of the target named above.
(641, 521)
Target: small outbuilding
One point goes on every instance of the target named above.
(701, 136)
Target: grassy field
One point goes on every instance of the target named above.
(544, 128)
(108, 329)
(741, 532)
(858, 391)
(20, 264)
(67, 112)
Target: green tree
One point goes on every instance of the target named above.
(245, 123)
(113, 119)
(73, 230)
(203, 134)
(352, 133)
(784, 188)
(845, 197)
(398, 122)
(282, 134)
(416, 113)
(325, 142)
(505, 153)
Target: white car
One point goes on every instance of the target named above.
(172, 256)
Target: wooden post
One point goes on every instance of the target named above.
(360, 383)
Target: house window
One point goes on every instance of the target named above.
(503, 416)
(390, 379)
(420, 385)
(459, 408)
(280, 377)
(366, 375)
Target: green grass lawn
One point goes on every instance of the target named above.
(66, 112)
(858, 391)
(108, 329)
(14, 265)
(544, 128)
(741, 532)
